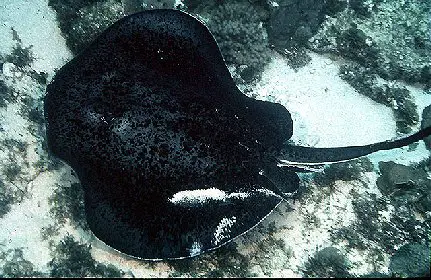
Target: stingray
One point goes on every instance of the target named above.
(173, 158)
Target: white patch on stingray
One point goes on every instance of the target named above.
(195, 249)
(223, 230)
(267, 192)
(203, 196)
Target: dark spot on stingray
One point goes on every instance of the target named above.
(173, 158)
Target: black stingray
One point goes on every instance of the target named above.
(173, 158)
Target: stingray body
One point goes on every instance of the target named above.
(173, 158)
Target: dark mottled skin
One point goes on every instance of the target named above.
(150, 109)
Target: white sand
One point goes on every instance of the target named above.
(326, 111)
(36, 25)
(21, 226)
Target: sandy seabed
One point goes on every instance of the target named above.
(326, 111)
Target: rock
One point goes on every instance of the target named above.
(132, 6)
(406, 184)
(294, 22)
(411, 260)
(328, 262)
(396, 176)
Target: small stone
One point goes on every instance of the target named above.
(10, 70)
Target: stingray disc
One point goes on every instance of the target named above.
(169, 152)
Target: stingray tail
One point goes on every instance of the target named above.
(307, 158)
